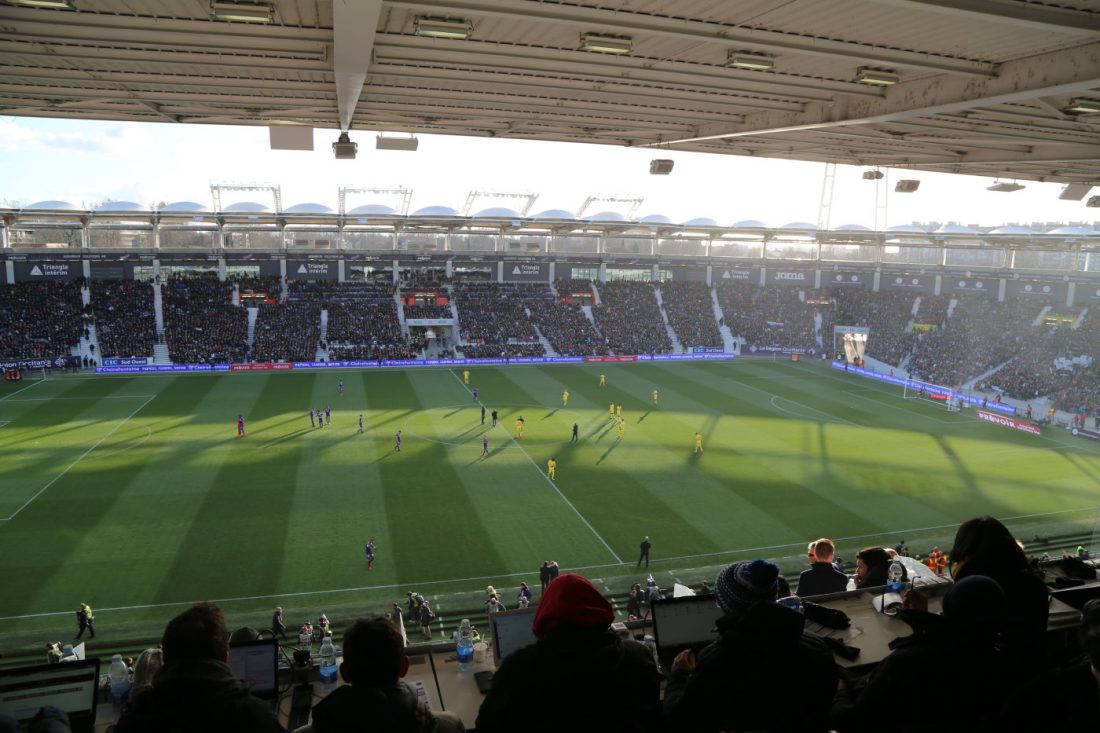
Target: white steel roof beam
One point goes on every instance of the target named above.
(1031, 15)
(1058, 73)
(515, 57)
(354, 25)
(622, 21)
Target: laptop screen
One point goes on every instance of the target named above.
(684, 623)
(255, 663)
(70, 686)
(511, 630)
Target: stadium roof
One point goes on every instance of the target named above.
(987, 87)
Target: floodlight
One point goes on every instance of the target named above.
(661, 167)
(907, 185)
(1075, 191)
(1005, 187)
(243, 12)
(605, 43)
(1084, 106)
(1093, 202)
(344, 148)
(876, 77)
(873, 175)
(52, 4)
(453, 28)
(750, 60)
(409, 143)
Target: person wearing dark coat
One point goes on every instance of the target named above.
(544, 575)
(984, 546)
(579, 675)
(195, 689)
(872, 567)
(822, 577)
(375, 698)
(1074, 690)
(764, 673)
(958, 647)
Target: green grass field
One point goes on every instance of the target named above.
(133, 493)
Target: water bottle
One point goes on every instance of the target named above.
(328, 664)
(119, 679)
(464, 649)
(792, 602)
(895, 577)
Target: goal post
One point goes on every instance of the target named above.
(949, 399)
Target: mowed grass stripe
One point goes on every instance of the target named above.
(249, 496)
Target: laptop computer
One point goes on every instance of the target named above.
(69, 686)
(511, 630)
(683, 623)
(256, 664)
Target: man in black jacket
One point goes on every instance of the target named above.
(195, 689)
(822, 577)
(763, 673)
(376, 698)
(579, 675)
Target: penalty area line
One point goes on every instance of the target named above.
(78, 460)
(547, 478)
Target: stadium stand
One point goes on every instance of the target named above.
(362, 322)
(40, 319)
(201, 324)
(885, 313)
(774, 316)
(691, 313)
(287, 331)
(494, 318)
(630, 320)
(565, 325)
(124, 317)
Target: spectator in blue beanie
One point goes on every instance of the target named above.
(763, 673)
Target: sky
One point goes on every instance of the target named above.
(87, 162)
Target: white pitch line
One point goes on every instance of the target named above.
(105, 397)
(78, 460)
(32, 384)
(552, 484)
(360, 589)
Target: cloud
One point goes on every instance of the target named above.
(18, 136)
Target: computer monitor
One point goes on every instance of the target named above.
(684, 623)
(69, 686)
(511, 630)
(256, 664)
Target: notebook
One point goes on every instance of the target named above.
(69, 686)
(683, 623)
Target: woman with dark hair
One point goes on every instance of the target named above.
(872, 566)
(984, 546)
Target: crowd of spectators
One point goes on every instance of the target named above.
(201, 324)
(775, 316)
(125, 320)
(886, 313)
(268, 285)
(690, 312)
(288, 331)
(40, 319)
(493, 318)
(979, 335)
(565, 325)
(428, 311)
(630, 320)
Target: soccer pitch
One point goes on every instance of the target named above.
(135, 495)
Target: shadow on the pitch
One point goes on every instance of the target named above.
(607, 452)
(551, 413)
(286, 437)
(454, 412)
(643, 417)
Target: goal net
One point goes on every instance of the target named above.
(949, 399)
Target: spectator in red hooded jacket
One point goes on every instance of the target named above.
(579, 673)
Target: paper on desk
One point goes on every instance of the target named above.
(886, 600)
(422, 693)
